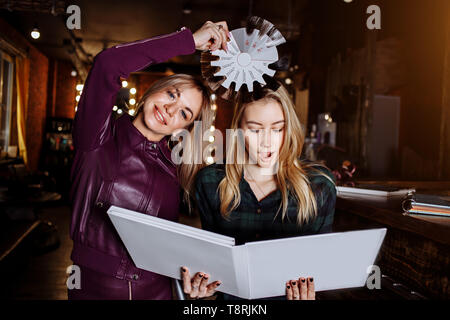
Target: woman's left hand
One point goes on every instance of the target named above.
(198, 286)
(301, 289)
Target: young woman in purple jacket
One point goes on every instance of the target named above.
(127, 162)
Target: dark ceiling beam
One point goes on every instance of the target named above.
(54, 7)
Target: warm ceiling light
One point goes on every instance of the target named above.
(124, 84)
(288, 81)
(133, 90)
(79, 87)
(115, 108)
(213, 107)
(119, 111)
(77, 98)
(211, 139)
(212, 128)
(73, 73)
(210, 160)
(348, 1)
(131, 112)
(35, 34)
(213, 97)
(132, 102)
(187, 8)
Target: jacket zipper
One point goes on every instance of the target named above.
(146, 40)
(130, 296)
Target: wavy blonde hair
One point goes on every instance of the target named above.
(189, 167)
(291, 174)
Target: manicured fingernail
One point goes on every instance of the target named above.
(288, 287)
(303, 280)
(219, 283)
(205, 277)
(183, 269)
(200, 275)
(311, 279)
(293, 283)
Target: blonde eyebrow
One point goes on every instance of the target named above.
(260, 124)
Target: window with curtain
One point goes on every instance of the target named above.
(6, 87)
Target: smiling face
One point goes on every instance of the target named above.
(168, 110)
(263, 122)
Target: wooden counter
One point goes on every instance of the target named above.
(415, 252)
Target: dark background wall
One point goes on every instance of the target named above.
(39, 95)
(65, 92)
(420, 28)
(37, 99)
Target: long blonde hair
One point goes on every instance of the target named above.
(291, 174)
(188, 168)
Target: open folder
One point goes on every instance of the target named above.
(254, 270)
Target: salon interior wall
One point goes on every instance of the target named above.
(410, 60)
(61, 90)
(423, 93)
(52, 92)
(37, 95)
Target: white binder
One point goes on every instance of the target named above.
(254, 270)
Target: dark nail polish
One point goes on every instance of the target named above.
(288, 287)
(293, 283)
(205, 277)
(200, 275)
(218, 284)
(183, 269)
(303, 280)
(311, 279)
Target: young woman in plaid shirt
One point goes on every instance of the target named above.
(266, 191)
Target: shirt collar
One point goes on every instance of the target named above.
(247, 191)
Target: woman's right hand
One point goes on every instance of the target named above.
(198, 286)
(212, 36)
(300, 289)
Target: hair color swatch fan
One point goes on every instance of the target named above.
(251, 60)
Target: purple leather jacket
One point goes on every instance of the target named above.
(116, 165)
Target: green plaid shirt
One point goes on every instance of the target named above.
(253, 220)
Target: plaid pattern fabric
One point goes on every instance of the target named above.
(253, 220)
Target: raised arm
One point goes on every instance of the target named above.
(92, 124)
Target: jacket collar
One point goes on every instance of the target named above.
(135, 139)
